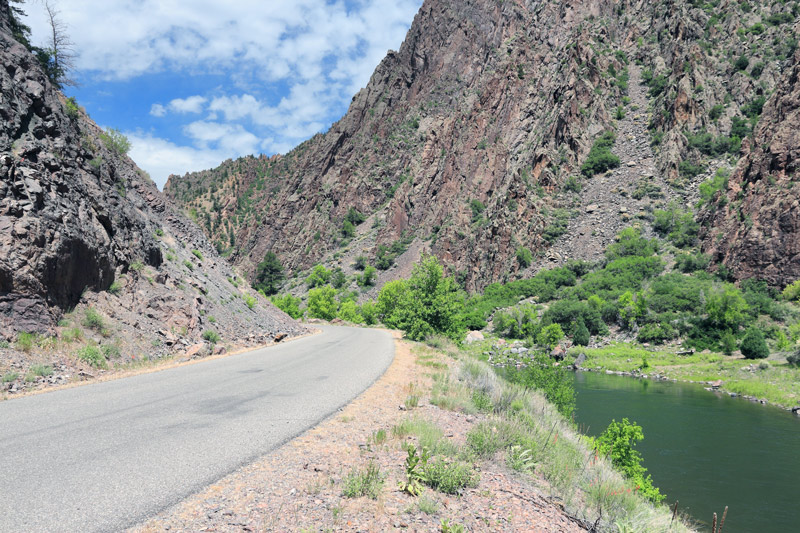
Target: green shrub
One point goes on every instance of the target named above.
(369, 312)
(92, 356)
(211, 336)
(41, 370)
(115, 288)
(363, 482)
(198, 254)
(322, 303)
(354, 217)
(367, 278)
(573, 184)
(115, 141)
(792, 291)
(689, 170)
(188, 264)
(348, 311)
(689, 263)
(288, 304)
(517, 323)
(269, 274)
(250, 301)
(753, 344)
(716, 112)
(710, 188)
(92, 319)
(450, 477)
(524, 257)
(580, 333)
(741, 63)
(8, 377)
(110, 351)
(319, 276)
(25, 341)
(550, 336)
(429, 302)
(728, 342)
(600, 158)
(553, 381)
(72, 107)
(618, 442)
(794, 359)
(631, 243)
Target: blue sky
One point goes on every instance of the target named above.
(192, 83)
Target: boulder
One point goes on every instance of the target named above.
(474, 336)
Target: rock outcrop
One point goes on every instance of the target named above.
(754, 226)
(81, 226)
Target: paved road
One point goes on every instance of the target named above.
(106, 456)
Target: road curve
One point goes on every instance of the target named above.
(106, 456)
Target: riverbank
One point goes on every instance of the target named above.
(769, 381)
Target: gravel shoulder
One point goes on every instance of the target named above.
(299, 486)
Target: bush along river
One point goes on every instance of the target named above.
(705, 449)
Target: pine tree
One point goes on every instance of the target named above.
(269, 274)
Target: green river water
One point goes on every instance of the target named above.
(705, 449)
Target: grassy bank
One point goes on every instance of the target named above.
(533, 438)
(773, 380)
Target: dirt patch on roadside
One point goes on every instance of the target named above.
(299, 486)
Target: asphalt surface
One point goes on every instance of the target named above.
(107, 456)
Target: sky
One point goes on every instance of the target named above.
(195, 82)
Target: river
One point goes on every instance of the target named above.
(705, 449)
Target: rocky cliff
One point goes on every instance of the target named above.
(468, 142)
(753, 227)
(82, 228)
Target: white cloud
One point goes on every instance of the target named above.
(161, 157)
(289, 68)
(193, 104)
(158, 110)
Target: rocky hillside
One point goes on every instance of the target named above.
(90, 250)
(469, 141)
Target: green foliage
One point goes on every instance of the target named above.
(657, 85)
(580, 333)
(553, 381)
(415, 474)
(728, 342)
(338, 278)
(688, 263)
(677, 225)
(367, 278)
(348, 229)
(198, 255)
(188, 264)
(557, 225)
(322, 303)
(741, 63)
(41, 370)
(477, 208)
(710, 188)
(211, 336)
(72, 108)
(288, 304)
(429, 302)
(792, 291)
(269, 274)
(450, 477)
(516, 323)
(115, 141)
(689, 170)
(367, 482)
(753, 344)
(319, 276)
(348, 311)
(573, 184)
(369, 312)
(354, 217)
(716, 112)
(550, 336)
(92, 319)
(92, 356)
(385, 256)
(115, 287)
(794, 359)
(631, 243)
(618, 442)
(524, 257)
(600, 158)
(726, 307)
(361, 262)
(250, 301)
(25, 341)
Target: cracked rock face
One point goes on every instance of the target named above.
(78, 218)
(756, 233)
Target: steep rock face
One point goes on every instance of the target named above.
(755, 230)
(484, 101)
(78, 218)
(464, 139)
